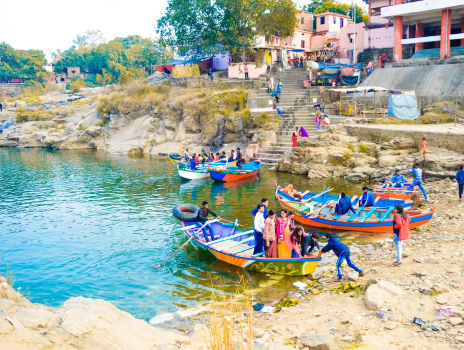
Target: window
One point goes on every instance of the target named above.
(335, 20)
(351, 40)
(302, 20)
(322, 20)
(302, 44)
(341, 22)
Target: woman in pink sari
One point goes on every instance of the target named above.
(282, 231)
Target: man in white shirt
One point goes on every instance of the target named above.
(259, 229)
(186, 154)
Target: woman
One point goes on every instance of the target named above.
(294, 140)
(318, 123)
(303, 132)
(269, 235)
(282, 231)
(400, 232)
(293, 242)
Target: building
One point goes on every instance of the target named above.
(348, 40)
(70, 73)
(301, 39)
(428, 24)
(329, 22)
(379, 31)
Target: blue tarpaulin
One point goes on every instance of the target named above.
(350, 79)
(323, 65)
(403, 106)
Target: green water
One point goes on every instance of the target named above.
(87, 223)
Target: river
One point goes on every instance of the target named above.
(87, 223)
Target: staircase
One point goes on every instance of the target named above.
(435, 53)
(297, 103)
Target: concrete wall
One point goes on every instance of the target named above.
(237, 70)
(432, 80)
(347, 32)
(332, 22)
(318, 41)
(379, 38)
(308, 22)
(295, 41)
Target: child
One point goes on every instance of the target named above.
(318, 123)
(424, 147)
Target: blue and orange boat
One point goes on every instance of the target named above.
(234, 173)
(235, 246)
(373, 220)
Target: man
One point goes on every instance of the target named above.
(398, 180)
(417, 172)
(310, 241)
(210, 74)
(186, 154)
(193, 164)
(367, 199)
(384, 183)
(279, 88)
(203, 218)
(344, 205)
(259, 229)
(276, 96)
(265, 203)
(342, 252)
(384, 59)
(460, 180)
(238, 157)
(232, 156)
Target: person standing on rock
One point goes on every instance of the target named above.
(417, 172)
(401, 232)
(424, 150)
(342, 251)
(460, 180)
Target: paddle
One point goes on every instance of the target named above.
(317, 195)
(157, 266)
(317, 212)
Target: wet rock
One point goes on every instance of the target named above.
(318, 341)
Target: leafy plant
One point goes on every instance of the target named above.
(363, 148)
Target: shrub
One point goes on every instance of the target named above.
(76, 85)
(346, 156)
(363, 148)
(351, 148)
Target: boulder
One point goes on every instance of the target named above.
(318, 341)
(5, 326)
(34, 317)
(374, 298)
(390, 288)
(399, 143)
(455, 321)
(353, 276)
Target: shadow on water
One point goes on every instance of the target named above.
(88, 223)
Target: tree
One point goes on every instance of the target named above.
(321, 6)
(91, 38)
(25, 64)
(199, 28)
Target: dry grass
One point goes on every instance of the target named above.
(26, 115)
(231, 321)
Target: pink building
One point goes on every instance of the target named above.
(330, 22)
(347, 42)
(301, 40)
(428, 23)
(379, 31)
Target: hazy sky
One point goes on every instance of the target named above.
(49, 25)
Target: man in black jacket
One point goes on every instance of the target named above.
(203, 218)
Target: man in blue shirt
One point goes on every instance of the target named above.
(311, 242)
(342, 252)
(398, 180)
(417, 180)
(367, 199)
(344, 205)
(265, 203)
(460, 180)
(193, 164)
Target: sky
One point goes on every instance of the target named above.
(49, 25)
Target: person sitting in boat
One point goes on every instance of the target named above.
(239, 158)
(211, 157)
(269, 235)
(193, 164)
(312, 242)
(186, 155)
(293, 242)
(367, 198)
(218, 156)
(398, 180)
(224, 155)
(232, 156)
(203, 218)
(294, 193)
(259, 229)
(384, 183)
(265, 203)
(344, 205)
(342, 251)
(197, 158)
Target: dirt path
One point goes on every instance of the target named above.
(435, 128)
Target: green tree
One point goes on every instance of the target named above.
(198, 28)
(26, 64)
(321, 6)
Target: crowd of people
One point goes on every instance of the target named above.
(194, 160)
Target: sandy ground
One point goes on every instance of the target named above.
(434, 128)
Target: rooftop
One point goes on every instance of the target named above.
(332, 14)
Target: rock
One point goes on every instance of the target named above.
(391, 326)
(5, 326)
(374, 297)
(455, 321)
(460, 339)
(431, 260)
(34, 318)
(440, 288)
(318, 341)
(258, 332)
(442, 300)
(184, 340)
(5, 304)
(353, 276)
(390, 288)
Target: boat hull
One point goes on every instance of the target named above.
(235, 174)
(288, 267)
(193, 174)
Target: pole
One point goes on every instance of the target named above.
(456, 109)
(354, 33)
(365, 104)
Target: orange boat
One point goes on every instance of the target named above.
(394, 193)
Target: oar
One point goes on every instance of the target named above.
(317, 195)
(157, 266)
(316, 213)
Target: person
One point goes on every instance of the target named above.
(294, 140)
(293, 242)
(279, 88)
(210, 74)
(218, 156)
(370, 68)
(203, 218)
(259, 229)
(269, 235)
(342, 251)
(312, 242)
(279, 110)
(384, 183)
(344, 205)
(417, 172)
(203, 157)
(246, 72)
(275, 94)
(239, 158)
(326, 122)
(211, 157)
(282, 231)
(303, 132)
(291, 219)
(265, 203)
(1, 107)
(460, 180)
(186, 154)
(383, 59)
(232, 156)
(401, 232)
(398, 180)
(193, 164)
(270, 88)
(318, 122)
(197, 158)
(367, 198)
(223, 155)
(424, 147)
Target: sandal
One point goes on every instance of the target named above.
(395, 263)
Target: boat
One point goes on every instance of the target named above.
(373, 220)
(202, 172)
(318, 199)
(235, 173)
(394, 193)
(177, 160)
(235, 246)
